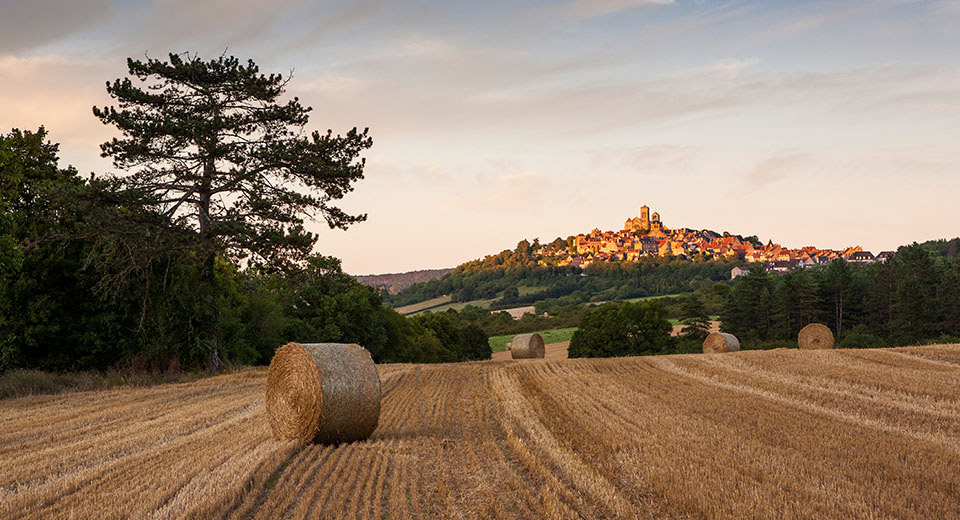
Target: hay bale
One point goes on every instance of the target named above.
(527, 346)
(815, 336)
(322, 392)
(719, 342)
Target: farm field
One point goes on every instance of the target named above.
(459, 306)
(424, 305)
(558, 350)
(441, 304)
(778, 434)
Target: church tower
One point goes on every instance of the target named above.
(645, 217)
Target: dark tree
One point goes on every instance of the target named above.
(623, 329)
(837, 289)
(748, 307)
(696, 321)
(475, 344)
(211, 145)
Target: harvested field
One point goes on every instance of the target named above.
(777, 434)
(557, 350)
(498, 343)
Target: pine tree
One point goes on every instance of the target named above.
(696, 321)
(210, 145)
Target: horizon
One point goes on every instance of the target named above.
(805, 123)
(744, 235)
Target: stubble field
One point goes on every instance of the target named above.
(777, 434)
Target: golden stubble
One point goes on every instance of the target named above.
(777, 434)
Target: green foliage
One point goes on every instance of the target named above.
(213, 151)
(101, 281)
(694, 317)
(460, 340)
(499, 275)
(475, 344)
(910, 298)
(858, 337)
(209, 143)
(623, 329)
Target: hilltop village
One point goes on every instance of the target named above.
(646, 236)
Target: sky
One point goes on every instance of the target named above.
(808, 123)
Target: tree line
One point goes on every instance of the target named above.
(911, 298)
(196, 254)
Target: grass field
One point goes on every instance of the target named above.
(530, 289)
(774, 434)
(460, 305)
(499, 343)
(644, 298)
(424, 305)
(442, 303)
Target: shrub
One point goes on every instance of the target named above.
(623, 329)
(858, 337)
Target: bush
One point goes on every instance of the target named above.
(475, 344)
(623, 329)
(858, 337)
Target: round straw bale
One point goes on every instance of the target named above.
(718, 342)
(526, 346)
(322, 392)
(815, 335)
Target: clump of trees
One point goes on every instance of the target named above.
(623, 329)
(911, 298)
(197, 255)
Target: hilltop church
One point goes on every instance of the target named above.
(646, 223)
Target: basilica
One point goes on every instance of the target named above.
(646, 223)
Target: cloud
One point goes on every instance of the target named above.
(595, 8)
(26, 24)
(777, 168)
(732, 68)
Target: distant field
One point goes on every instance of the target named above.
(643, 298)
(416, 307)
(757, 434)
(443, 303)
(499, 343)
(525, 290)
(459, 305)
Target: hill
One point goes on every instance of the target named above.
(778, 434)
(396, 282)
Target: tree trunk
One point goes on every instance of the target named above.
(208, 269)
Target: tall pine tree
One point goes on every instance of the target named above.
(210, 144)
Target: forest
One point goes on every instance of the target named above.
(912, 298)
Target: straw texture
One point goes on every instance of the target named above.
(815, 336)
(527, 346)
(719, 342)
(323, 392)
